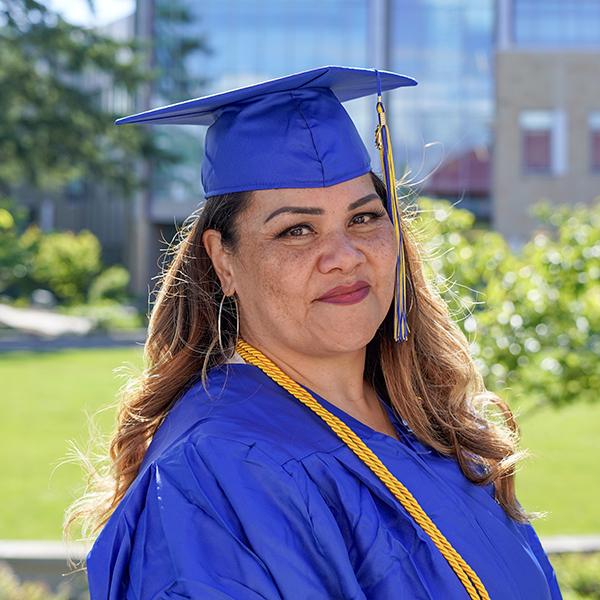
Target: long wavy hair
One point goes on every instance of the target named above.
(430, 380)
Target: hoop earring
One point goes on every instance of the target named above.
(412, 296)
(237, 327)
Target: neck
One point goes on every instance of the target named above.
(338, 378)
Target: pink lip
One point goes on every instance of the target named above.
(346, 294)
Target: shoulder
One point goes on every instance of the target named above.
(219, 479)
(238, 406)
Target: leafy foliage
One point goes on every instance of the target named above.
(578, 575)
(67, 264)
(53, 125)
(12, 589)
(533, 314)
(10, 253)
(110, 285)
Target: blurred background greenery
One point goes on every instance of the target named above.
(66, 271)
(532, 313)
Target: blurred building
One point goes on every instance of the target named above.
(547, 121)
(447, 45)
(506, 113)
(464, 180)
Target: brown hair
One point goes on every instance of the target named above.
(430, 380)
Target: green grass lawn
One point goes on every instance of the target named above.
(563, 476)
(44, 397)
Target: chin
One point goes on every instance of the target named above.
(337, 340)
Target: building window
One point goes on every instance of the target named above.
(536, 133)
(556, 23)
(536, 150)
(544, 143)
(594, 126)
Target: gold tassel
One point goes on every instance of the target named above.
(384, 145)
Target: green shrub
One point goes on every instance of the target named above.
(578, 575)
(110, 285)
(65, 263)
(12, 589)
(532, 314)
(15, 261)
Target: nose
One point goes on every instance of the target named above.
(340, 251)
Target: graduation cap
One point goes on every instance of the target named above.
(291, 132)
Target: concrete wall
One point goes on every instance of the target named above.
(47, 562)
(542, 80)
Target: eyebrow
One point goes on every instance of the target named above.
(362, 201)
(297, 210)
(301, 210)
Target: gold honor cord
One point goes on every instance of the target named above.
(467, 576)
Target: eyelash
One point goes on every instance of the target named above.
(374, 215)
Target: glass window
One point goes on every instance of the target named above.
(556, 22)
(447, 46)
(444, 44)
(536, 134)
(537, 151)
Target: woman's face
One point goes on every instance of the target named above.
(314, 271)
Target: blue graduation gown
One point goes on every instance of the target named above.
(246, 494)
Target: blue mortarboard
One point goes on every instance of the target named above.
(291, 132)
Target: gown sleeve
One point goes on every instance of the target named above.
(222, 520)
(542, 558)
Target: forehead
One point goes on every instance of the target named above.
(338, 197)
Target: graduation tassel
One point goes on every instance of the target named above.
(384, 145)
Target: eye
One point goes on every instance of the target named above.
(365, 218)
(296, 231)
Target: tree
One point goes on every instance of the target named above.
(53, 127)
(177, 43)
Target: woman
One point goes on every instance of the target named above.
(348, 448)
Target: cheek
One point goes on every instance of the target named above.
(272, 282)
(285, 275)
(386, 261)
(389, 250)
(384, 251)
